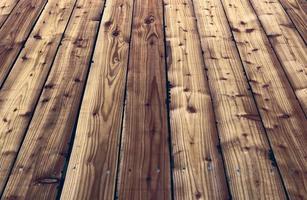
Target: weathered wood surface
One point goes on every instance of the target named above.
(198, 166)
(282, 116)
(297, 10)
(15, 31)
(38, 169)
(6, 7)
(145, 164)
(93, 163)
(287, 43)
(21, 91)
(206, 101)
(241, 132)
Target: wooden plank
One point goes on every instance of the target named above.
(281, 114)
(145, 167)
(287, 43)
(297, 12)
(6, 6)
(93, 164)
(22, 88)
(243, 141)
(38, 168)
(15, 31)
(198, 166)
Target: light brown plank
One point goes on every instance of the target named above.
(6, 6)
(287, 43)
(15, 31)
(93, 163)
(243, 141)
(297, 11)
(198, 166)
(19, 94)
(38, 168)
(145, 167)
(281, 114)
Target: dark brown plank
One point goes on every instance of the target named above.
(145, 167)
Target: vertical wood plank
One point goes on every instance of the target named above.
(93, 163)
(21, 91)
(145, 164)
(14, 32)
(287, 43)
(198, 166)
(297, 11)
(6, 7)
(243, 140)
(283, 118)
(38, 169)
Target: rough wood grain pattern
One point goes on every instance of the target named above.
(6, 6)
(13, 39)
(287, 43)
(38, 169)
(20, 92)
(297, 11)
(282, 116)
(198, 166)
(145, 167)
(93, 163)
(241, 132)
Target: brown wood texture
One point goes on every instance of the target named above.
(297, 10)
(38, 169)
(13, 39)
(198, 166)
(145, 164)
(241, 132)
(6, 7)
(281, 113)
(287, 43)
(153, 99)
(22, 88)
(93, 163)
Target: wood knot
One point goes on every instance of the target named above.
(149, 20)
(48, 180)
(115, 33)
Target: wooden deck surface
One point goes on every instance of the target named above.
(153, 99)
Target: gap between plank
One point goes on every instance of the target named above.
(167, 102)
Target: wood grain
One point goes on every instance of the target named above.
(281, 114)
(145, 163)
(241, 132)
(13, 39)
(21, 91)
(38, 168)
(93, 163)
(6, 7)
(297, 10)
(198, 165)
(287, 43)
